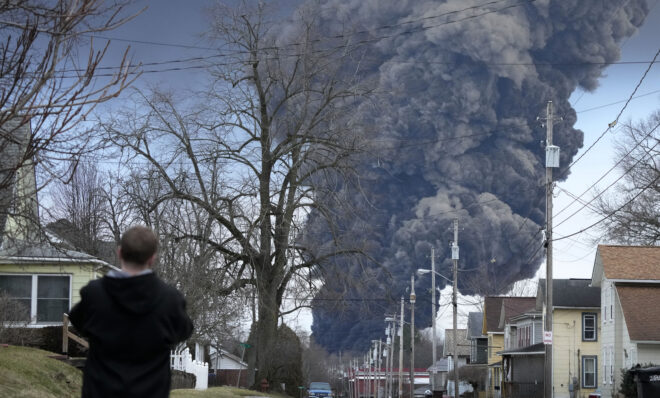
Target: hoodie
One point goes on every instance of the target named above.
(132, 324)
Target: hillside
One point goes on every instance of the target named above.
(31, 373)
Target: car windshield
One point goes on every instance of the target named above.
(319, 386)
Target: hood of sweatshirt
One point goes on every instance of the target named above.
(137, 295)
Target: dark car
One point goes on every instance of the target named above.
(319, 389)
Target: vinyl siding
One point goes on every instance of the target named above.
(568, 350)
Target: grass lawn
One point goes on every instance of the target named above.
(220, 392)
(30, 373)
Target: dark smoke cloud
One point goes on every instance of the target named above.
(458, 138)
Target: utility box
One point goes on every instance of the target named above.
(552, 156)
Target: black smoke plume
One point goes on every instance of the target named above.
(458, 137)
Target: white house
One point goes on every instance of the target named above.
(629, 280)
(227, 367)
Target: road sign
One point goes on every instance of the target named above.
(547, 337)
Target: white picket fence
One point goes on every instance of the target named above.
(182, 360)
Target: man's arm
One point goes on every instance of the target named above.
(78, 313)
(184, 325)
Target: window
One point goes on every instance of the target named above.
(589, 331)
(18, 290)
(589, 371)
(42, 298)
(605, 352)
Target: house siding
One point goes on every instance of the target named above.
(568, 350)
(80, 274)
(495, 343)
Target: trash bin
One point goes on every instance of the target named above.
(648, 382)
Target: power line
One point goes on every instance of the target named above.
(614, 212)
(616, 120)
(631, 168)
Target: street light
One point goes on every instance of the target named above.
(454, 257)
(433, 272)
(413, 298)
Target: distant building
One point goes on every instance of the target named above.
(478, 341)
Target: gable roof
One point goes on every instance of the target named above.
(629, 262)
(463, 343)
(475, 322)
(492, 309)
(514, 306)
(641, 311)
(576, 293)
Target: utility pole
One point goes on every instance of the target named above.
(454, 257)
(433, 314)
(401, 352)
(412, 334)
(551, 161)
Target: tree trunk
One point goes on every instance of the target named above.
(266, 334)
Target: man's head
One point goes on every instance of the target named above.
(138, 247)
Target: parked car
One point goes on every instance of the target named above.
(319, 389)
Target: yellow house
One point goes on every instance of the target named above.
(491, 328)
(37, 270)
(576, 336)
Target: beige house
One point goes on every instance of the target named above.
(576, 336)
(37, 270)
(491, 328)
(629, 282)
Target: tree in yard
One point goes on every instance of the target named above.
(632, 214)
(48, 87)
(250, 156)
(475, 375)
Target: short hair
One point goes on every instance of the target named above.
(138, 244)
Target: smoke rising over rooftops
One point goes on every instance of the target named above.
(458, 138)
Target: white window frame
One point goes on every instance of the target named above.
(605, 357)
(595, 323)
(595, 359)
(34, 293)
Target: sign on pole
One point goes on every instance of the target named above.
(547, 337)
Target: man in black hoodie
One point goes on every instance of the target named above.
(132, 320)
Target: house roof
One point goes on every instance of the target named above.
(493, 308)
(577, 293)
(441, 365)
(475, 322)
(463, 343)
(630, 262)
(641, 311)
(514, 306)
(533, 349)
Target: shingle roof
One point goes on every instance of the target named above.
(463, 343)
(630, 262)
(475, 322)
(493, 308)
(572, 293)
(530, 349)
(513, 306)
(641, 311)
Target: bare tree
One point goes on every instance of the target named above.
(632, 213)
(79, 209)
(252, 154)
(48, 86)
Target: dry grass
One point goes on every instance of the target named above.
(221, 392)
(30, 373)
